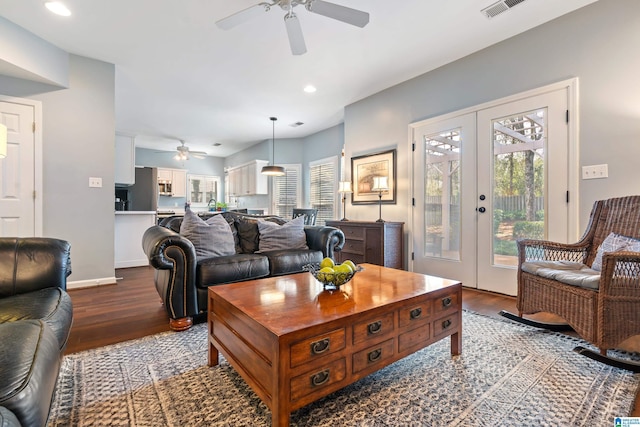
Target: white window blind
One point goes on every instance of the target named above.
(323, 188)
(287, 191)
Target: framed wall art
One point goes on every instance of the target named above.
(363, 171)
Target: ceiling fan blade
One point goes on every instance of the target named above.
(242, 16)
(341, 13)
(294, 30)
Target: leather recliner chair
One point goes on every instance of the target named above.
(35, 320)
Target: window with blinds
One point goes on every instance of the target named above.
(287, 191)
(323, 188)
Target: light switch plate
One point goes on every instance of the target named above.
(595, 171)
(95, 182)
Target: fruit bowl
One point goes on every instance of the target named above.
(330, 280)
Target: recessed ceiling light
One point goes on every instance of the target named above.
(309, 88)
(58, 8)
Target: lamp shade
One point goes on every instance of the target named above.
(273, 170)
(344, 187)
(380, 183)
(3, 141)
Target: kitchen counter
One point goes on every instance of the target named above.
(128, 231)
(135, 212)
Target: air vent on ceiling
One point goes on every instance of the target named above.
(296, 124)
(499, 7)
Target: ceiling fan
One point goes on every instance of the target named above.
(183, 152)
(294, 30)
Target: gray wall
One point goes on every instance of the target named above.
(598, 44)
(78, 142)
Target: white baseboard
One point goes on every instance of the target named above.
(132, 263)
(77, 284)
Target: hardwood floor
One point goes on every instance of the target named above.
(132, 309)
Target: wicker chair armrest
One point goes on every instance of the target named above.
(620, 274)
(545, 250)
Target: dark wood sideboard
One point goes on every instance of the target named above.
(380, 243)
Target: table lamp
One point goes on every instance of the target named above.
(380, 184)
(344, 187)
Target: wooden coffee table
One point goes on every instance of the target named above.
(294, 342)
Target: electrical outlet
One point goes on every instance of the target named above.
(95, 182)
(595, 171)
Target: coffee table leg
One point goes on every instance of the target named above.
(280, 418)
(456, 343)
(213, 355)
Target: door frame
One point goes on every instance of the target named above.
(571, 85)
(37, 159)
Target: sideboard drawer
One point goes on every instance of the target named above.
(353, 246)
(318, 379)
(354, 233)
(415, 314)
(373, 355)
(373, 328)
(318, 346)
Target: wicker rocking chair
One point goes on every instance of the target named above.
(603, 307)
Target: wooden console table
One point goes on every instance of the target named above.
(380, 243)
(294, 342)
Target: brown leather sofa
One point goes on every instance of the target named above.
(182, 279)
(35, 320)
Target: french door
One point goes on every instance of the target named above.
(483, 179)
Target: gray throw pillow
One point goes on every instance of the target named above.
(614, 243)
(289, 235)
(210, 238)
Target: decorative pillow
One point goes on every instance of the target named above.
(289, 235)
(249, 235)
(210, 238)
(613, 243)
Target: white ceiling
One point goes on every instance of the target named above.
(179, 76)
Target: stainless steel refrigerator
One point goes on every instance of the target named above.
(143, 195)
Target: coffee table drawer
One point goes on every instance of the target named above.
(373, 356)
(318, 379)
(415, 314)
(414, 338)
(318, 346)
(445, 303)
(445, 324)
(373, 329)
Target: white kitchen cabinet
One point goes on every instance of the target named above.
(125, 159)
(172, 182)
(246, 180)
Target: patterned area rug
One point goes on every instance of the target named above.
(508, 375)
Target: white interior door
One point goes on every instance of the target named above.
(17, 172)
(482, 179)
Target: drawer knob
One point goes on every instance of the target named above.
(415, 313)
(446, 324)
(319, 378)
(446, 302)
(375, 327)
(319, 347)
(374, 355)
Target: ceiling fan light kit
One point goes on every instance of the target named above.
(292, 24)
(183, 152)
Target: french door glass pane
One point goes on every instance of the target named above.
(442, 194)
(518, 182)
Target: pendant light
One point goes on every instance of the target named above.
(273, 170)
